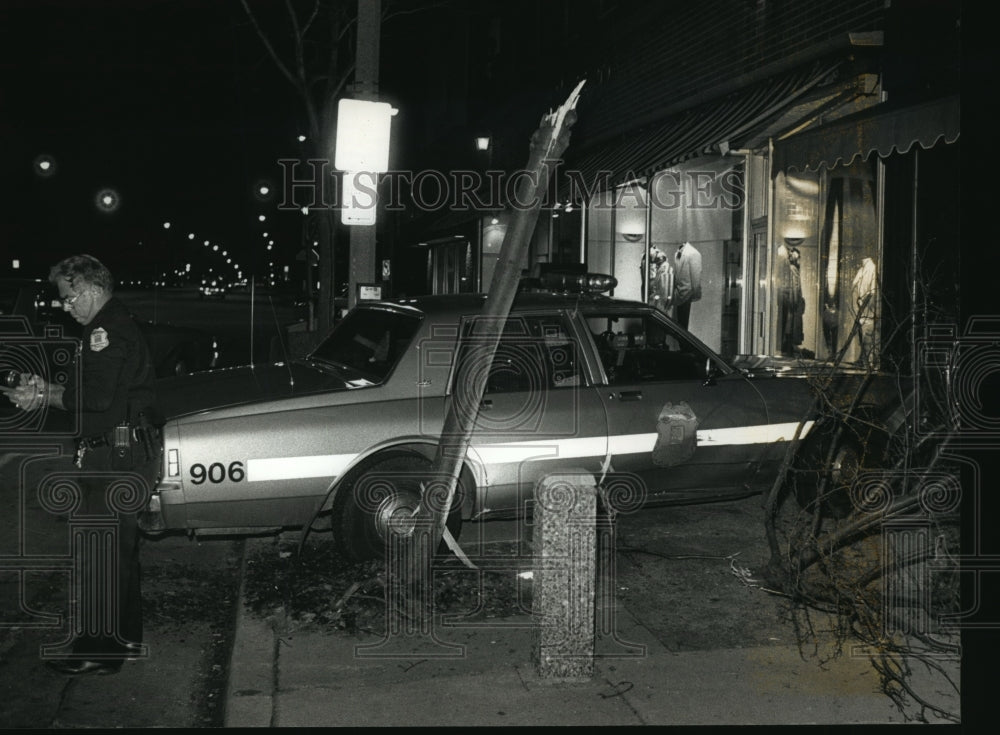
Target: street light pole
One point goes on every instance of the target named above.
(366, 72)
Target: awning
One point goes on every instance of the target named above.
(881, 129)
(695, 132)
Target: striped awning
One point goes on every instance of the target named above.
(881, 129)
(702, 130)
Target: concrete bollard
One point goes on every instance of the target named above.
(564, 574)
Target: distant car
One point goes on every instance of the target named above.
(179, 350)
(212, 291)
(175, 350)
(578, 382)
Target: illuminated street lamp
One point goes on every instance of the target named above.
(108, 200)
(166, 225)
(45, 165)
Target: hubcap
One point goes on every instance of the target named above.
(395, 515)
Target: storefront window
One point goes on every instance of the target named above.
(825, 265)
(566, 234)
(600, 221)
(675, 244)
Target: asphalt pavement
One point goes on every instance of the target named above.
(484, 675)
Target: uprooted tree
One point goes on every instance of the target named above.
(864, 529)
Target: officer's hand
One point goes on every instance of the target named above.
(27, 396)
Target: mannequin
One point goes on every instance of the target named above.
(687, 281)
(791, 304)
(863, 295)
(659, 292)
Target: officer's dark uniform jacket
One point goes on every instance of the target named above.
(116, 374)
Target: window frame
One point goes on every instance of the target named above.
(720, 365)
(584, 368)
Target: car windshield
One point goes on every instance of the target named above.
(369, 342)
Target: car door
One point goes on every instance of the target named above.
(678, 416)
(539, 412)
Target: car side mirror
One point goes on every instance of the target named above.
(711, 372)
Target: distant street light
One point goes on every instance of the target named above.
(166, 225)
(190, 236)
(45, 165)
(108, 200)
(261, 218)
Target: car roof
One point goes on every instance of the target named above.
(444, 304)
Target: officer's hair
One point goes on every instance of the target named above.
(85, 269)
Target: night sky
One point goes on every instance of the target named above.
(173, 105)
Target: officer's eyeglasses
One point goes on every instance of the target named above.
(68, 303)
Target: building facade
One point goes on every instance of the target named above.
(782, 142)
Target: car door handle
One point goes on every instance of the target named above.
(630, 395)
(486, 404)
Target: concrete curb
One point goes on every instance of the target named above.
(250, 689)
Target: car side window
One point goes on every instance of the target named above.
(535, 352)
(637, 348)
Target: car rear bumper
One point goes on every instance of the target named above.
(165, 509)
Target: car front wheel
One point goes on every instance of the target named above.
(380, 502)
(832, 484)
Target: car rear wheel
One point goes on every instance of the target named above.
(380, 502)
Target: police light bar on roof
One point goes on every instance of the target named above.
(589, 283)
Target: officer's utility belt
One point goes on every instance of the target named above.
(92, 442)
(131, 445)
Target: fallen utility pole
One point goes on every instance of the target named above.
(548, 143)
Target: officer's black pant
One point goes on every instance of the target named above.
(107, 614)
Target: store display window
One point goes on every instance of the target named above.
(825, 266)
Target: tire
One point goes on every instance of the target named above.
(385, 493)
(853, 454)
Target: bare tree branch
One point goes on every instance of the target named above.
(312, 17)
(297, 37)
(270, 48)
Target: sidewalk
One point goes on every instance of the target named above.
(484, 676)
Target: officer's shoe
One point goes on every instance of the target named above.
(78, 667)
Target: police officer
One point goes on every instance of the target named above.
(118, 420)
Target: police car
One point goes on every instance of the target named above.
(579, 382)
